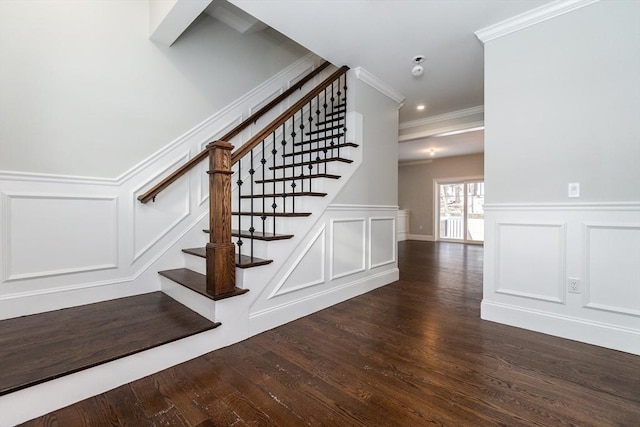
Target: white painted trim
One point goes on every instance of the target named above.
(346, 207)
(442, 117)
(560, 284)
(421, 237)
(586, 227)
(379, 85)
(394, 240)
(583, 206)
(6, 261)
(591, 332)
(173, 166)
(530, 18)
(438, 131)
(363, 245)
(414, 162)
(320, 234)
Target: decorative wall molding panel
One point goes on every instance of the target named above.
(382, 241)
(353, 234)
(607, 247)
(51, 235)
(308, 269)
(531, 251)
(545, 245)
(347, 247)
(114, 245)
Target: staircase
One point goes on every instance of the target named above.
(269, 184)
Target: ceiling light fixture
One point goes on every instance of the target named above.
(432, 152)
(458, 132)
(418, 69)
(420, 107)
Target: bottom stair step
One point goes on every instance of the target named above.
(197, 282)
(242, 261)
(45, 346)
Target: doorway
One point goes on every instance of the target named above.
(459, 211)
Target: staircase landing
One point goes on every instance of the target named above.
(42, 347)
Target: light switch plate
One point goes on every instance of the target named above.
(574, 189)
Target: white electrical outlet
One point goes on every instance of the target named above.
(574, 285)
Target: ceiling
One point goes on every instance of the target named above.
(383, 36)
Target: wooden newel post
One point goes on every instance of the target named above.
(221, 263)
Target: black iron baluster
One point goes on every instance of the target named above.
(263, 161)
(251, 228)
(344, 127)
(239, 182)
(284, 162)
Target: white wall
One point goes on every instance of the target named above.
(81, 80)
(376, 181)
(562, 101)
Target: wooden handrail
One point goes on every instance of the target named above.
(153, 191)
(274, 125)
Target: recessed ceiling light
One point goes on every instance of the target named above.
(420, 107)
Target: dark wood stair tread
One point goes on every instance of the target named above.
(258, 235)
(313, 162)
(45, 346)
(320, 138)
(197, 282)
(321, 149)
(300, 194)
(291, 178)
(242, 261)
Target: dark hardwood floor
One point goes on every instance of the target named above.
(411, 353)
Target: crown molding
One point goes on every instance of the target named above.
(378, 84)
(442, 117)
(532, 17)
(437, 131)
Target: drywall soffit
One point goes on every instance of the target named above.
(234, 17)
(177, 20)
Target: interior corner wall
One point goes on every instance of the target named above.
(415, 186)
(81, 80)
(562, 101)
(376, 180)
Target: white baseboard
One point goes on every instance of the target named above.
(600, 334)
(420, 237)
(272, 317)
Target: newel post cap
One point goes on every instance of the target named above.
(224, 145)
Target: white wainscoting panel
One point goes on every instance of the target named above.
(382, 241)
(361, 255)
(531, 251)
(153, 220)
(535, 269)
(49, 234)
(348, 242)
(608, 264)
(308, 269)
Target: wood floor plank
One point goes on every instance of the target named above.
(412, 353)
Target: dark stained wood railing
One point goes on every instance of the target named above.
(220, 251)
(156, 189)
